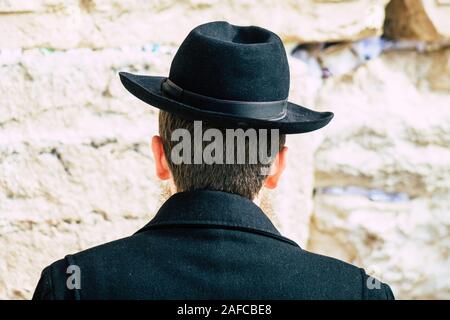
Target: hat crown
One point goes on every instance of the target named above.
(230, 62)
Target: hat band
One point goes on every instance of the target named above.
(263, 110)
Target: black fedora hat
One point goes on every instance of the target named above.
(226, 74)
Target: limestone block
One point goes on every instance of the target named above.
(59, 28)
(431, 72)
(101, 23)
(405, 244)
(395, 126)
(427, 20)
(36, 81)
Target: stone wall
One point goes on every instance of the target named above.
(372, 188)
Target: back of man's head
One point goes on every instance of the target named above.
(242, 178)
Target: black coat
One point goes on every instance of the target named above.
(207, 245)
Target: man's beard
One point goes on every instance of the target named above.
(165, 192)
(265, 204)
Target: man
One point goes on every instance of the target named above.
(210, 240)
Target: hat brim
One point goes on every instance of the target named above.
(298, 119)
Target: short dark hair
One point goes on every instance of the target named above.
(243, 179)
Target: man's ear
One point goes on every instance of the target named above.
(276, 169)
(161, 164)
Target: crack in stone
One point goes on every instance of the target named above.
(57, 154)
(99, 144)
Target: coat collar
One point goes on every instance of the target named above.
(214, 209)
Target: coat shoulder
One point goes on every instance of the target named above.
(53, 282)
(343, 280)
